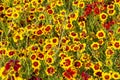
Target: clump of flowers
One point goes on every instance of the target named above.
(59, 39)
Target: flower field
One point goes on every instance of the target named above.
(59, 39)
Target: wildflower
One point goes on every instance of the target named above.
(116, 45)
(50, 11)
(47, 46)
(95, 45)
(101, 42)
(77, 63)
(85, 57)
(49, 60)
(17, 37)
(54, 40)
(66, 62)
(70, 73)
(109, 62)
(115, 75)
(103, 17)
(41, 17)
(11, 53)
(81, 4)
(15, 15)
(111, 12)
(98, 73)
(62, 55)
(73, 34)
(109, 52)
(96, 10)
(40, 55)
(96, 66)
(82, 47)
(35, 64)
(33, 56)
(106, 76)
(48, 28)
(100, 34)
(111, 6)
(83, 34)
(50, 70)
(88, 65)
(118, 30)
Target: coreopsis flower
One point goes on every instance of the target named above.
(109, 52)
(3, 51)
(69, 26)
(77, 63)
(15, 15)
(118, 30)
(100, 34)
(62, 55)
(95, 45)
(101, 42)
(97, 66)
(85, 57)
(73, 34)
(2, 7)
(82, 47)
(66, 62)
(83, 34)
(50, 70)
(55, 40)
(40, 55)
(3, 72)
(33, 56)
(117, 1)
(115, 75)
(70, 73)
(47, 46)
(17, 37)
(98, 73)
(13, 63)
(75, 3)
(88, 65)
(111, 12)
(49, 60)
(109, 62)
(50, 11)
(41, 17)
(111, 6)
(51, 53)
(76, 48)
(106, 76)
(48, 28)
(35, 64)
(11, 53)
(81, 4)
(103, 17)
(116, 45)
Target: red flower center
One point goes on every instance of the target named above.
(103, 16)
(100, 34)
(116, 44)
(107, 77)
(50, 70)
(49, 60)
(35, 64)
(77, 64)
